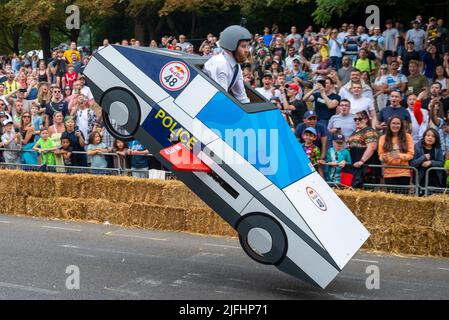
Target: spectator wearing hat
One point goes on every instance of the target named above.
(417, 36)
(85, 90)
(311, 120)
(298, 74)
(337, 157)
(309, 136)
(10, 141)
(289, 60)
(409, 54)
(268, 90)
(432, 30)
(290, 102)
(325, 99)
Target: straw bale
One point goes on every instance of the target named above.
(206, 221)
(12, 204)
(157, 217)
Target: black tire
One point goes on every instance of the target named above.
(278, 237)
(126, 98)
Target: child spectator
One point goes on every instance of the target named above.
(46, 147)
(11, 141)
(428, 154)
(120, 147)
(65, 151)
(139, 160)
(337, 157)
(37, 120)
(312, 151)
(70, 77)
(94, 149)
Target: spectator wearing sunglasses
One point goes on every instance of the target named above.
(57, 103)
(362, 145)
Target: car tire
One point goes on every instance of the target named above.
(122, 106)
(262, 238)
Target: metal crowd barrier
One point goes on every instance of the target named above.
(76, 169)
(429, 190)
(411, 189)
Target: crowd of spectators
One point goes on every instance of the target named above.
(352, 96)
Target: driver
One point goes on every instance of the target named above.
(224, 68)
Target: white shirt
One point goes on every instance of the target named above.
(220, 68)
(418, 130)
(361, 104)
(289, 61)
(344, 92)
(82, 121)
(268, 94)
(86, 92)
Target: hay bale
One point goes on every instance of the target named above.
(157, 217)
(206, 221)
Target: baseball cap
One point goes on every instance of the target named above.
(296, 59)
(338, 137)
(310, 114)
(3, 114)
(311, 130)
(432, 18)
(267, 74)
(411, 41)
(275, 98)
(416, 21)
(293, 86)
(7, 121)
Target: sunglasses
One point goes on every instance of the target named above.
(358, 119)
(67, 89)
(56, 91)
(26, 116)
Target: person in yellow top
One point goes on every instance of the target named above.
(10, 84)
(324, 48)
(363, 63)
(68, 53)
(396, 149)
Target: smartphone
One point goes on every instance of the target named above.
(16, 130)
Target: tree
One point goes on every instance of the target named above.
(10, 31)
(45, 15)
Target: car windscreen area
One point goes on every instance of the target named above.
(262, 138)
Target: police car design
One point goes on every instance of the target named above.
(284, 212)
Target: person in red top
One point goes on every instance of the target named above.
(70, 77)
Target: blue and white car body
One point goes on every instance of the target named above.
(285, 213)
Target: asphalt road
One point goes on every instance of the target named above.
(124, 263)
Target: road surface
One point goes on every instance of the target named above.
(40, 259)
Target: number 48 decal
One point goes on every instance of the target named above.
(170, 80)
(174, 76)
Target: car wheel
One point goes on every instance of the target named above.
(262, 238)
(121, 110)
